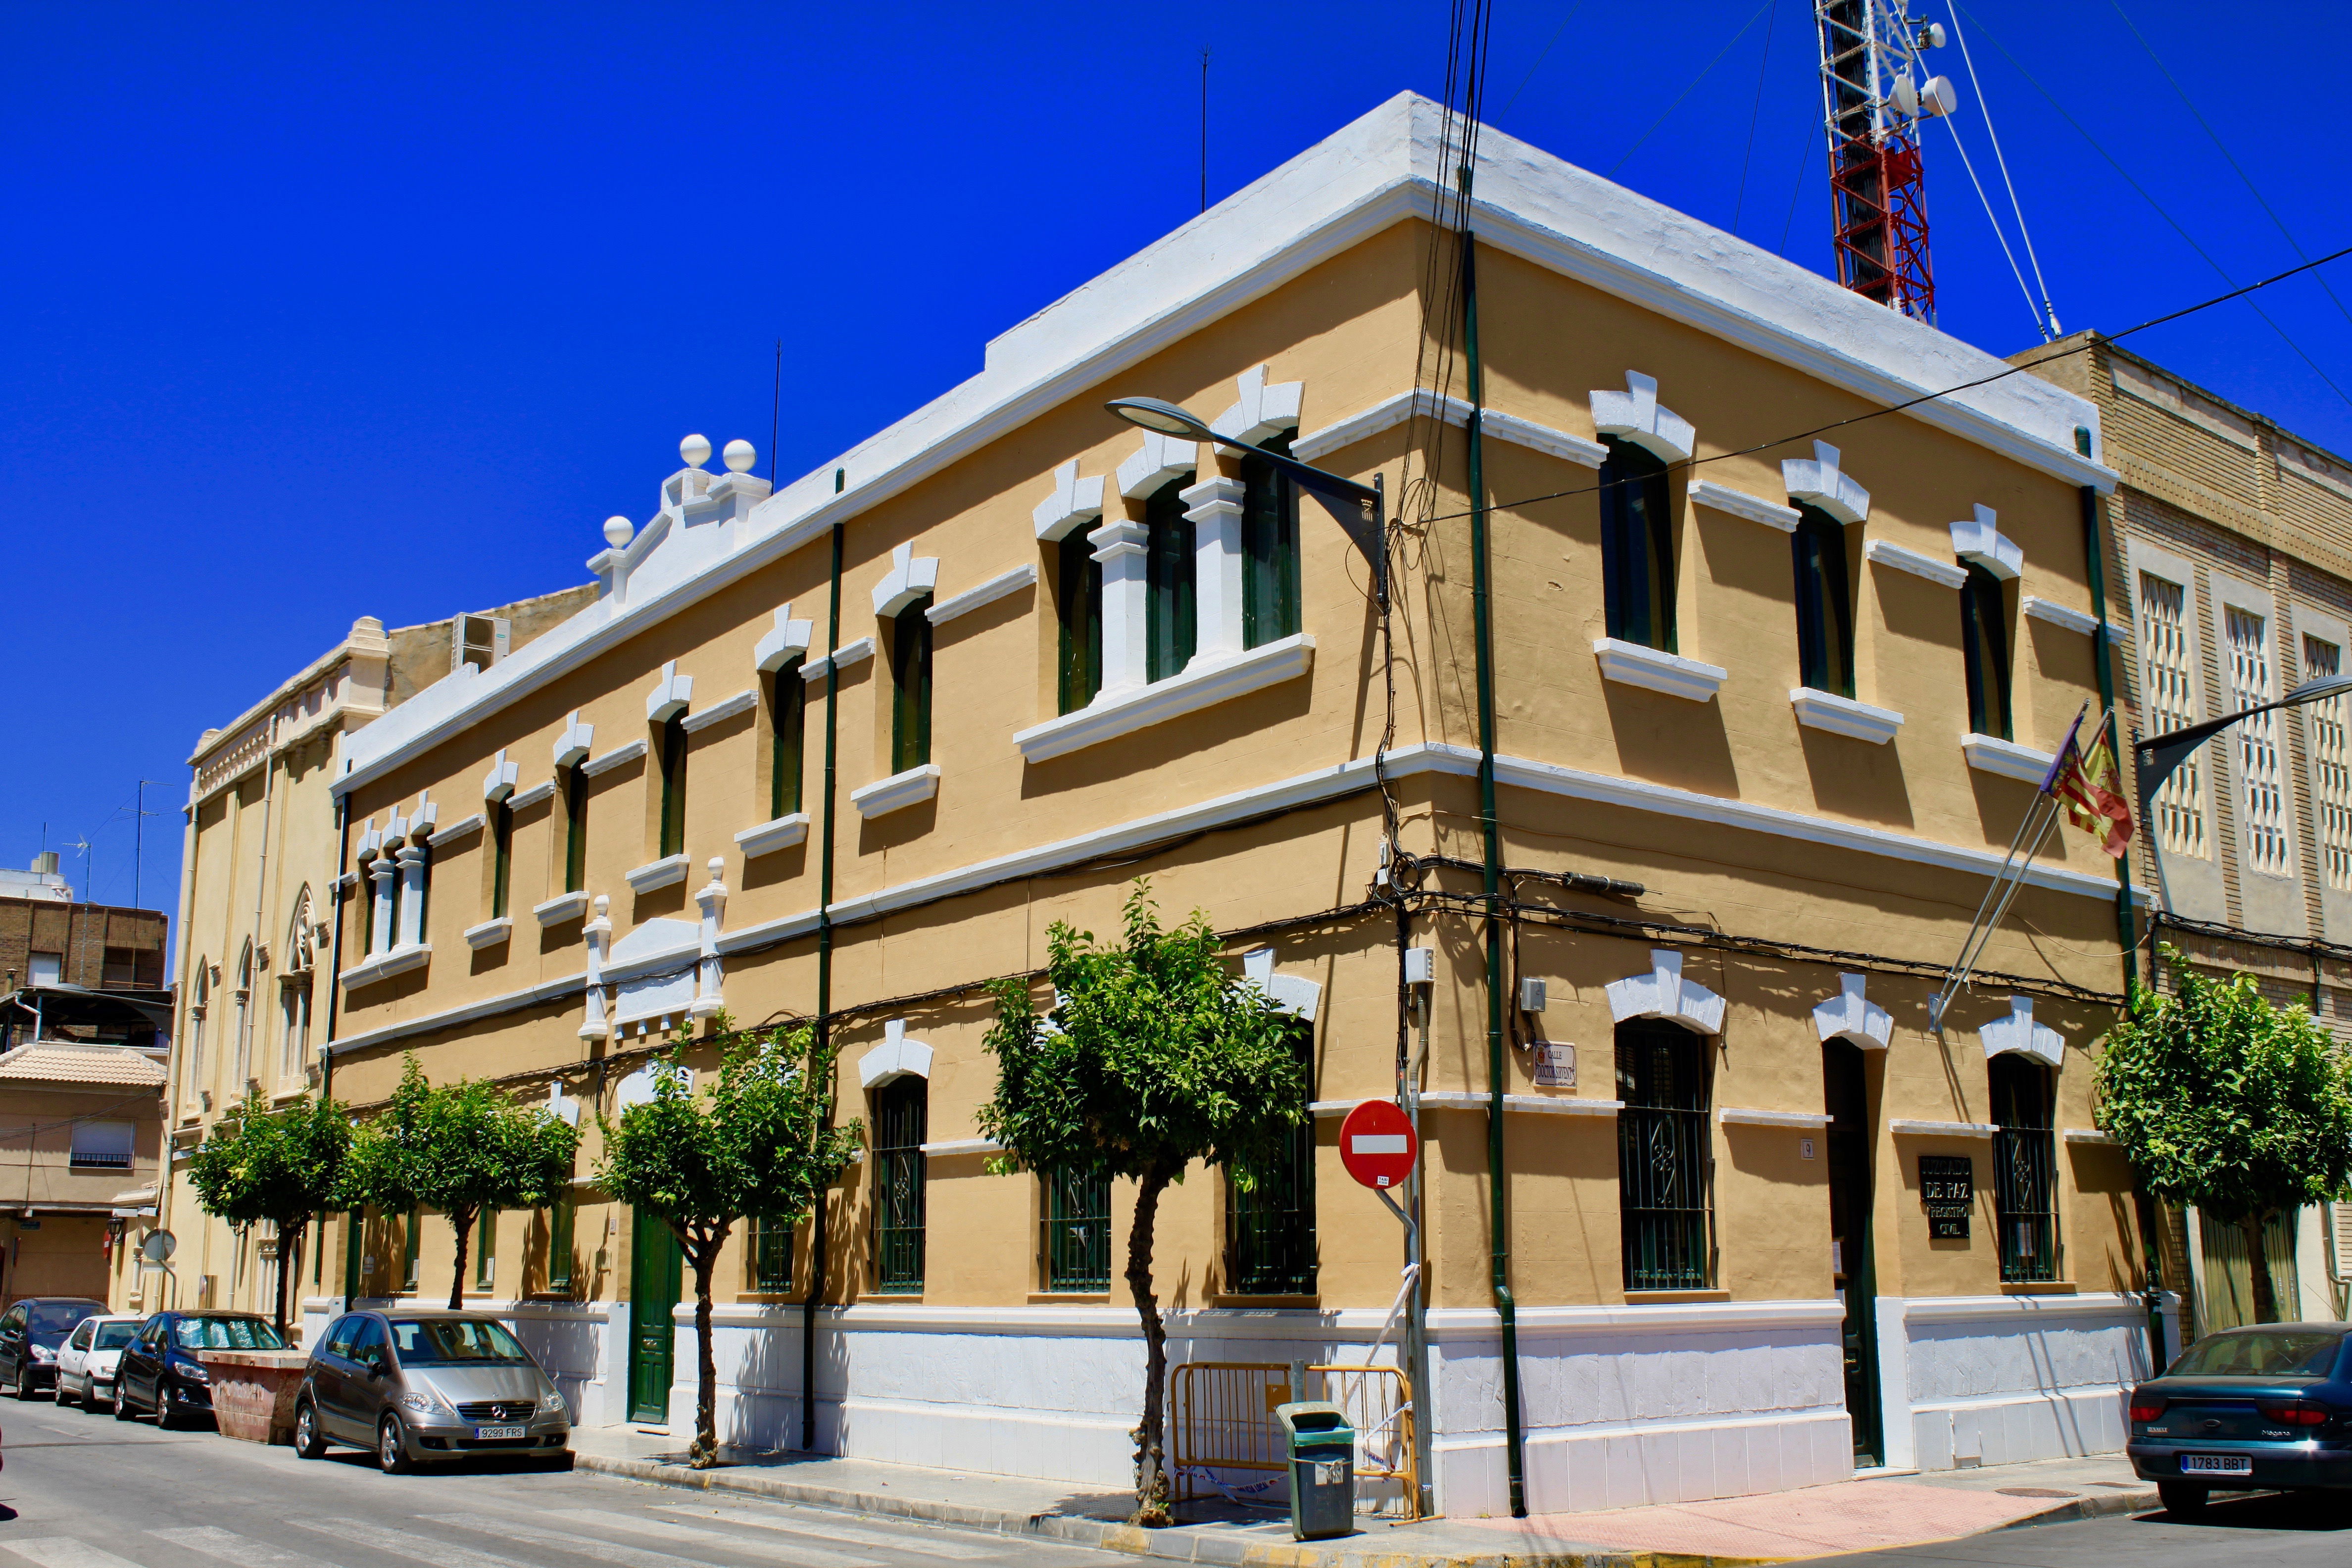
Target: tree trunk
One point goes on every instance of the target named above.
(464, 1220)
(1150, 1444)
(285, 1264)
(704, 1255)
(2258, 1262)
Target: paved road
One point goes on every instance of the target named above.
(85, 1491)
(2247, 1532)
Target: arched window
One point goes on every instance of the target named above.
(501, 856)
(910, 687)
(1984, 644)
(244, 1045)
(1170, 627)
(1824, 603)
(1079, 597)
(294, 991)
(1270, 591)
(901, 1122)
(787, 725)
(1270, 1228)
(1665, 1160)
(1637, 546)
(2025, 1168)
(670, 839)
(575, 828)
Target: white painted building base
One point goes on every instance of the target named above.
(1621, 1406)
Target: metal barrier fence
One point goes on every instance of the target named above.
(1220, 1417)
(1379, 1403)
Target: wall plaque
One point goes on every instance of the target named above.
(1555, 1064)
(1947, 1190)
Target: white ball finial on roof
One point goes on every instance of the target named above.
(740, 456)
(694, 450)
(618, 531)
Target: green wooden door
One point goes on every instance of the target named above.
(653, 1284)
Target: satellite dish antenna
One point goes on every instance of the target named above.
(1905, 97)
(159, 1247)
(1938, 99)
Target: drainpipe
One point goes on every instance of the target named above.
(818, 1228)
(1498, 1246)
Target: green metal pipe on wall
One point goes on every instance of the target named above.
(823, 1033)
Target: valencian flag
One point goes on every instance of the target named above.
(2085, 785)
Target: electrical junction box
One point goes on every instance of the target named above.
(1531, 994)
(1421, 966)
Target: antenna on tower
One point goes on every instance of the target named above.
(1872, 103)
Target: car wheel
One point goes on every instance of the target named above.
(94, 1402)
(166, 1418)
(2180, 1499)
(122, 1411)
(309, 1442)
(391, 1448)
(25, 1384)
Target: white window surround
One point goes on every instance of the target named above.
(1851, 1016)
(911, 578)
(1556, 1104)
(987, 593)
(670, 696)
(1655, 670)
(1981, 540)
(499, 781)
(1843, 716)
(2019, 1034)
(1943, 573)
(1912, 1127)
(489, 933)
(1662, 993)
(848, 654)
(1739, 503)
(656, 875)
(955, 1146)
(1159, 459)
(2089, 1135)
(741, 702)
(1200, 684)
(1990, 754)
(1392, 412)
(457, 830)
(1263, 411)
(1074, 503)
(787, 640)
(1635, 416)
(1817, 481)
(897, 792)
(1744, 1116)
(561, 908)
(1292, 993)
(1214, 507)
(897, 1057)
(399, 961)
(541, 790)
(614, 759)
(2057, 614)
(769, 836)
(575, 744)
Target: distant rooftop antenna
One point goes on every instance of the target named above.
(1872, 103)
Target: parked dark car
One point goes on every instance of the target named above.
(158, 1371)
(425, 1387)
(30, 1332)
(2268, 1406)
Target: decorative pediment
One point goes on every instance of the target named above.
(1662, 993)
(650, 940)
(637, 1089)
(2020, 1034)
(1850, 1015)
(575, 744)
(1074, 503)
(1159, 459)
(897, 1057)
(1816, 481)
(560, 1106)
(1263, 411)
(1979, 540)
(499, 781)
(1292, 993)
(788, 641)
(1634, 415)
(670, 695)
(911, 577)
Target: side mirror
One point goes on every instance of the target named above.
(378, 1366)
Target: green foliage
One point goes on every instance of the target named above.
(756, 1145)
(282, 1165)
(1153, 1058)
(2224, 1102)
(460, 1148)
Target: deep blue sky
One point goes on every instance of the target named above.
(311, 312)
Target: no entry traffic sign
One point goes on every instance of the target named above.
(1377, 1144)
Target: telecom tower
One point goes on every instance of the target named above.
(1872, 104)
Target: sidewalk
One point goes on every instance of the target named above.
(1777, 1527)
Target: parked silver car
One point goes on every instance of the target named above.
(428, 1387)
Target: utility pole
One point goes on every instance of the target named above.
(1871, 105)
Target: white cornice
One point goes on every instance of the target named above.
(741, 702)
(987, 593)
(2059, 614)
(617, 757)
(1739, 503)
(1943, 573)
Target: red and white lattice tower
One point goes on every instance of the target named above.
(1872, 103)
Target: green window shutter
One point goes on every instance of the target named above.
(1270, 588)
(788, 723)
(412, 1243)
(911, 676)
(1170, 616)
(1078, 591)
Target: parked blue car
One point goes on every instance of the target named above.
(2267, 1407)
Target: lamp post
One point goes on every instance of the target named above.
(1359, 508)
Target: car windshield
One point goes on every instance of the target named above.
(228, 1334)
(445, 1342)
(114, 1336)
(2262, 1353)
(53, 1320)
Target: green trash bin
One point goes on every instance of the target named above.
(1322, 1469)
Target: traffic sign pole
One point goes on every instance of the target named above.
(1381, 1147)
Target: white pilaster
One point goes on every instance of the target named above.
(380, 872)
(1215, 508)
(598, 933)
(411, 895)
(1119, 546)
(708, 994)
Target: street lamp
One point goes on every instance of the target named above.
(1359, 508)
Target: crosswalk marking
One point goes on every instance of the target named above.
(813, 1556)
(63, 1552)
(230, 1547)
(627, 1556)
(801, 1524)
(403, 1543)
